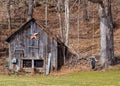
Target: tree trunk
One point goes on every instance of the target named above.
(66, 31)
(85, 15)
(60, 21)
(46, 14)
(8, 14)
(110, 35)
(106, 27)
(67, 22)
(103, 29)
(79, 27)
(30, 10)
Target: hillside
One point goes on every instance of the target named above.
(89, 32)
(82, 41)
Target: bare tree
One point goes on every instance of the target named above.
(110, 34)
(106, 27)
(60, 19)
(78, 26)
(85, 14)
(30, 10)
(103, 29)
(8, 13)
(67, 22)
(46, 13)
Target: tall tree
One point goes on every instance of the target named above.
(103, 29)
(106, 27)
(60, 20)
(85, 14)
(46, 13)
(67, 22)
(8, 13)
(30, 10)
(110, 35)
(78, 26)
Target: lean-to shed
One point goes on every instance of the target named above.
(32, 47)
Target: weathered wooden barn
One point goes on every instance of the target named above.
(34, 47)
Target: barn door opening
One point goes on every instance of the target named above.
(60, 56)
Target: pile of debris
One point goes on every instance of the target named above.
(2, 65)
(88, 62)
(75, 60)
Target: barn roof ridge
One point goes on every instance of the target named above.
(19, 29)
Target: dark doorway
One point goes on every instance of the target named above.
(38, 63)
(60, 56)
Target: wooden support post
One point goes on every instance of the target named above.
(33, 69)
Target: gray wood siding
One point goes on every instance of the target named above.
(22, 47)
(54, 54)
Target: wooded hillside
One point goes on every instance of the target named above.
(84, 38)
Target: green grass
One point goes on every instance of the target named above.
(109, 78)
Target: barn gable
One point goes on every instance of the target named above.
(34, 47)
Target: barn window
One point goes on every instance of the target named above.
(38, 63)
(27, 63)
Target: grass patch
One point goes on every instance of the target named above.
(109, 78)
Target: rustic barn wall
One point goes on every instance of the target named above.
(23, 47)
(43, 42)
(54, 54)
